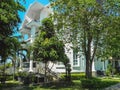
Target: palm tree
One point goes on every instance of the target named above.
(14, 47)
(4, 53)
(16, 51)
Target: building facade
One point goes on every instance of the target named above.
(29, 29)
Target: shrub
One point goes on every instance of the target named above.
(24, 77)
(110, 70)
(96, 83)
(91, 83)
(9, 77)
(75, 76)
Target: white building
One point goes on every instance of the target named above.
(29, 29)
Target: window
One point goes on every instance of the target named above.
(34, 64)
(26, 65)
(75, 59)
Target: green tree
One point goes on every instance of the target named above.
(15, 46)
(110, 47)
(9, 20)
(10, 47)
(84, 23)
(47, 46)
(9, 17)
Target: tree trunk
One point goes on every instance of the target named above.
(4, 76)
(88, 55)
(14, 72)
(66, 76)
(88, 69)
(88, 59)
(116, 66)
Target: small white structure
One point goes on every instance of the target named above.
(31, 66)
(30, 27)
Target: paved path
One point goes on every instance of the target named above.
(113, 87)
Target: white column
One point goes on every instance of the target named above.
(32, 33)
(69, 53)
(93, 66)
(20, 67)
(71, 58)
(82, 64)
(31, 66)
(103, 65)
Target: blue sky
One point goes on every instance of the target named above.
(26, 5)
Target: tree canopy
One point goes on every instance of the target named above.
(9, 20)
(47, 46)
(86, 24)
(9, 17)
(9, 23)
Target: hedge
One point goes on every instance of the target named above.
(75, 76)
(97, 83)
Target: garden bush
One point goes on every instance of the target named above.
(9, 77)
(75, 76)
(91, 83)
(96, 83)
(24, 77)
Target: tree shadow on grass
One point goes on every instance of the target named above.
(61, 85)
(55, 86)
(9, 86)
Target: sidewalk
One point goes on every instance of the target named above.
(113, 87)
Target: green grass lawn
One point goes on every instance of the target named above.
(75, 85)
(14, 85)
